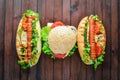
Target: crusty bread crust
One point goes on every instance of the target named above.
(80, 38)
(34, 59)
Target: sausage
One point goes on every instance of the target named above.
(27, 26)
(92, 39)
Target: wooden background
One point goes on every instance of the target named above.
(70, 12)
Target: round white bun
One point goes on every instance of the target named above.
(62, 39)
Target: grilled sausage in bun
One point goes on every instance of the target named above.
(28, 39)
(91, 40)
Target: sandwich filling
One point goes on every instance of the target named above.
(59, 41)
(94, 40)
(28, 39)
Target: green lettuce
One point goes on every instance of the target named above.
(99, 59)
(72, 50)
(31, 13)
(23, 64)
(34, 40)
(44, 35)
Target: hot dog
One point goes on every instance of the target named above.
(91, 40)
(28, 41)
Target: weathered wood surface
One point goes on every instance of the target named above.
(70, 12)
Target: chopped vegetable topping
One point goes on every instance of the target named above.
(99, 50)
(30, 19)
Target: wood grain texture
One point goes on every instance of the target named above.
(106, 21)
(2, 28)
(16, 19)
(118, 41)
(8, 55)
(70, 12)
(114, 41)
(41, 69)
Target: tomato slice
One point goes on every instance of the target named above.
(98, 50)
(57, 23)
(59, 55)
(97, 28)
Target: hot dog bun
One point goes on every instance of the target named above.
(81, 43)
(21, 39)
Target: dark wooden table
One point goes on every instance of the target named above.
(70, 12)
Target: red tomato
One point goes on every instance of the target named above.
(57, 23)
(59, 55)
(97, 28)
(98, 50)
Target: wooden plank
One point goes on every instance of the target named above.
(98, 11)
(24, 6)
(32, 72)
(114, 37)
(90, 10)
(118, 39)
(49, 6)
(106, 21)
(57, 74)
(43, 10)
(2, 21)
(58, 7)
(8, 55)
(75, 59)
(33, 4)
(17, 15)
(41, 64)
(66, 20)
(90, 7)
(82, 13)
(40, 68)
(74, 13)
(75, 67)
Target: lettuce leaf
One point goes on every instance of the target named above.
(31, 13)
(34, 40)
(72, 50)
(99, 60)
(44, 35)
(23, 64)
(86, 54)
